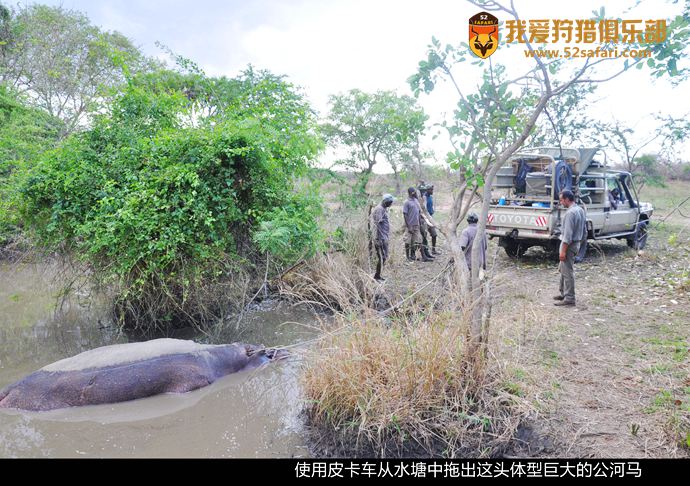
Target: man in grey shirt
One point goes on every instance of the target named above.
(381, 233)
(573, 230)
(467, 238)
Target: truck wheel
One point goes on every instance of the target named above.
(514, 249)
(639, 239)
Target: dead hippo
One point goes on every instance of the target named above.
(125, 372)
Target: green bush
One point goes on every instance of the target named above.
(291, 232)
(164, 203)
(25, 133)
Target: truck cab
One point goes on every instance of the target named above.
(525, 211)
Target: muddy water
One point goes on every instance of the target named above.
(250, 414)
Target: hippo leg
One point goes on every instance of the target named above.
(186, 381)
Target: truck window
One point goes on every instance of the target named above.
(626, 190)
(592, 190)
(614, 183)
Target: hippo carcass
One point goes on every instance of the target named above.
(124, 372)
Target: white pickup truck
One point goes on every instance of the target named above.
(525, 211)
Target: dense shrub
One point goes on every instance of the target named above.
(163, 200)
(25, 133)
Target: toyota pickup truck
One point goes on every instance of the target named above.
(525, 211)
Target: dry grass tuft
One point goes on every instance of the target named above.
(400, 389)
(339, 281)
(331, 282)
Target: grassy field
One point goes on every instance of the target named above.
(608, 378)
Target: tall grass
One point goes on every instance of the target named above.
(340, 280)
(400, 388)
(395, 383)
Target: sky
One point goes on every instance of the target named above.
(331, 46)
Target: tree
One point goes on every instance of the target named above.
(494, 122)
(623, 140)
(25, 133)
(370, 125)
(6, 34)
(404, 156)
(673, 132)
(61, 62)
(169, 209)
(627, 144)
(565, 122)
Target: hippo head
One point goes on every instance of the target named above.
(258, 356)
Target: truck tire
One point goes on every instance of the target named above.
(639, 239)
(513, 248)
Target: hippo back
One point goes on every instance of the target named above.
(125, 372)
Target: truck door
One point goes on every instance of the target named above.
(632, 215)
(620, 207)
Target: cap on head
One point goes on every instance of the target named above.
(411, 191)
(387, 198)
(472, 217)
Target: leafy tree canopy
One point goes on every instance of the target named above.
(175, 179)
(25, 132)
(372, 124)
(61, 61)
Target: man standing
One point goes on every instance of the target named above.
(412, 215)
(424, 223)
(572, 228)
(381, 233)
(430, 209)
(467, 239)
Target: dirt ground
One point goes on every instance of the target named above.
(608, 378)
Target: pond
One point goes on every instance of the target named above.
(249, 414)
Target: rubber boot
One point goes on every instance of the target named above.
(424, 257)
(377, 275)
(425, 251)
(433, 246)
(409, 254)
